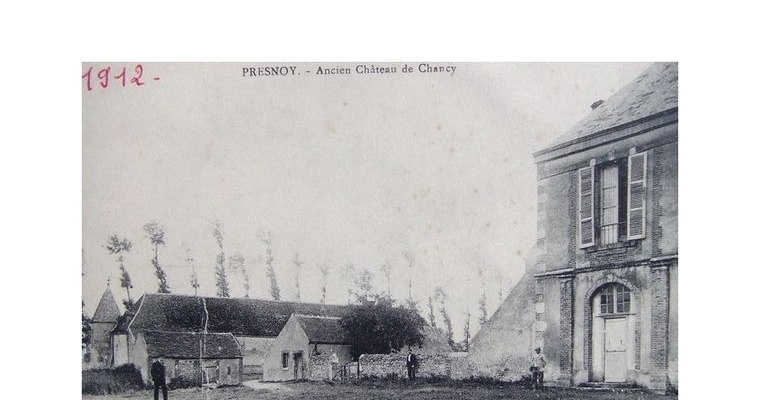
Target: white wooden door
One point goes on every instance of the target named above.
(615, 360)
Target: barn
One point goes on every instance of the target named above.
(253, 323)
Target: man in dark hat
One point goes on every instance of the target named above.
(158, 374)
(411, 365)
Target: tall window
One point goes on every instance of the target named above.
(612, 201)
(614, 299)
(609, 205)
(285, 358)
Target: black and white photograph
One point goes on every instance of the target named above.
(380, 230)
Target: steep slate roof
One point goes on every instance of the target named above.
(325, 330)
(241, 317)
(107, 310)
(654, 91)
(187, 345)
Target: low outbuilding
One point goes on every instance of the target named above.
(190, 358)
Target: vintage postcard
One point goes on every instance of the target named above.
(380, 230)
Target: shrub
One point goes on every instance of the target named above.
(121, 379)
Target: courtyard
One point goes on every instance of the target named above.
(387, 390)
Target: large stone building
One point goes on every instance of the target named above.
(254, 323)
(600, 295)
(172, 326)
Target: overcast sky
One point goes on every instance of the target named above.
(340, 169)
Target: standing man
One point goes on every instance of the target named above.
(411, 365)
(537, 367)
(158, 374)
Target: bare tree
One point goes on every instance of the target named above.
(238, 265)
(348, 272)
(119, 247)
(365, 288)
(222, 286)
(246, 282)
(431, 311)
(265, 237)
(298, 264)
(324, 270)
(443, 298)
(386, 268)
(410, 261)
(189, 261)
(157, 235)
(466, 342)
(483, 316)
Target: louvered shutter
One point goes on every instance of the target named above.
(586, 208)
(637, 191)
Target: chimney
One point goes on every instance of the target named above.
(596, 104)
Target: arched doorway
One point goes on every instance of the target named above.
(614, 330)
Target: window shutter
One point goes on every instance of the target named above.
(637, 190)
(586, 208)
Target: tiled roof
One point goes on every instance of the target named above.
(107, 310)
(654, 91)
(188, 345)
(241, 317)
(322, 329)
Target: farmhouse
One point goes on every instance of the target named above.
(600, 293)
(302, 337)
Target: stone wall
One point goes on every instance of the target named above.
(389, 365)
(319, 366)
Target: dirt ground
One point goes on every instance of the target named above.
(386, 390)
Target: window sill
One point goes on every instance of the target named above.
(621, 244)
(616, 315)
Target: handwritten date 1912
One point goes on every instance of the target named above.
(104, 76)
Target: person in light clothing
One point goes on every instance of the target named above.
(334, 361)
(537, 369)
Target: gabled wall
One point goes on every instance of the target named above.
(291, 339)
(502, 347)
(120, 349)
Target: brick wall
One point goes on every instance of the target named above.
(566, 330)
(660, 319)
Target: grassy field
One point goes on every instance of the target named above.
(387, 390)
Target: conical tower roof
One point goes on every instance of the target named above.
(108, 310)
